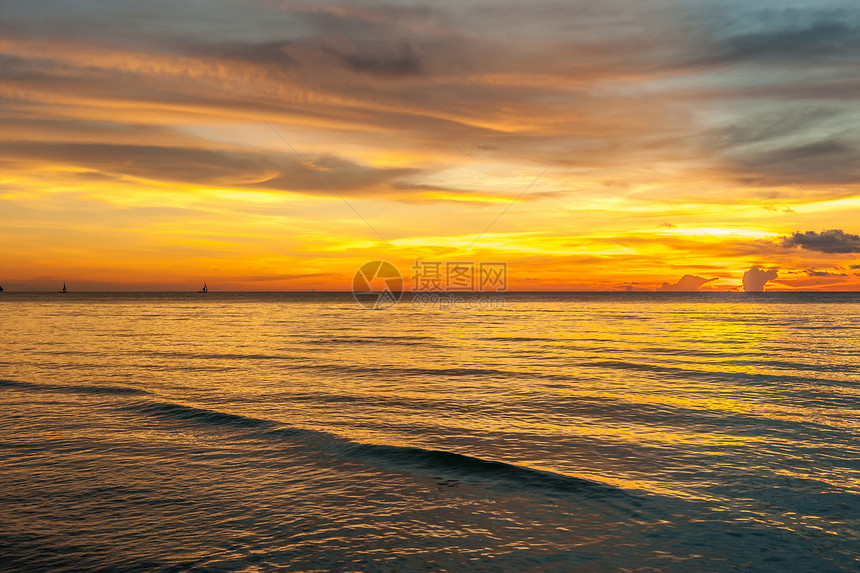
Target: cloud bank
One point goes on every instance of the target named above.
(832, 241)
(687, 283)
(756, 278)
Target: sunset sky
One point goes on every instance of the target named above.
(155, 145)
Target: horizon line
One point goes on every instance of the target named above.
(714, 291)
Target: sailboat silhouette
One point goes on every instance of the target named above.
(64, 291)
(205, 289)
(1, 289)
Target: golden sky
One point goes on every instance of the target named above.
(268, 145)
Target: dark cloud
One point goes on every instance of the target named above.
(271, 53)
(832, 241)
(790, 107)
(790, 143)
(827, 148)
(814, 273)
(775, 142)
(769, 125)
(832, 161)
(828, 35)
(399, 59)
(686, 283)
(756, 278)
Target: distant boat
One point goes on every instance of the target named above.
(1, 289)
(64, 291)
(205, 289)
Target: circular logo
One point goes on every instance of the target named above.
(377, 285)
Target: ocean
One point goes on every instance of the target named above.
(553, 432)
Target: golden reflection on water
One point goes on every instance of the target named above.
(642, 396)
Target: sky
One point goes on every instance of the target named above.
(274, 145)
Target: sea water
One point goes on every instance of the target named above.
(553, 432)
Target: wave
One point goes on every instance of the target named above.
(397, 340)
(470, 468)
(535, 407)
(437, 463)
(624, 365)
(172, 411)
(741, 376)
(524, 339)
(210, 355)
(72, 389)
(422, 372)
